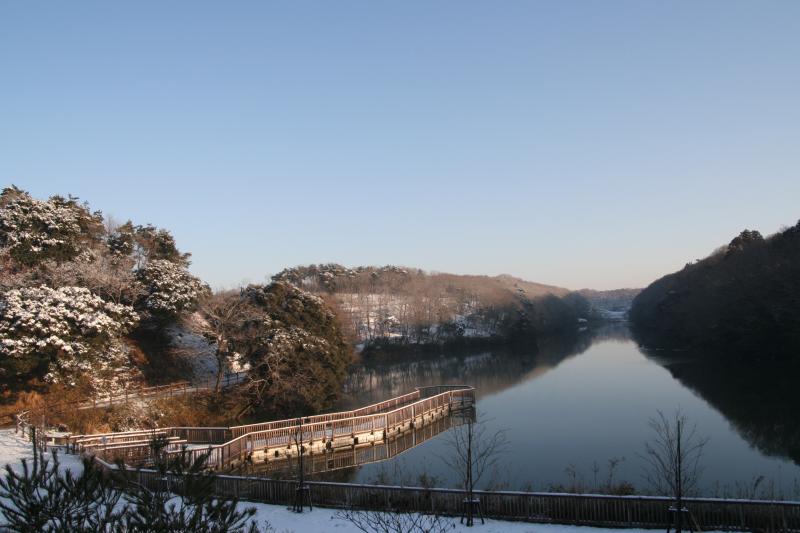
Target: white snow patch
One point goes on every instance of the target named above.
(200, 354)
(283, 520)
(14, 448)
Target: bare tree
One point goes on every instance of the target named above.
(222, 318)
(673, 459)
(111, 277)
(395, 521)
(474, 451)
(302, 491)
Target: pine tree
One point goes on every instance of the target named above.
(184, 500)
(42, 499)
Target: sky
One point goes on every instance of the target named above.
(590, 143)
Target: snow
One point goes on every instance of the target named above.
(281, 519)
(200, 354)
(393, 317)
(13, 448)
(79, 327)
(171, 287)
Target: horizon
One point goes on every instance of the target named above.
(576, 145)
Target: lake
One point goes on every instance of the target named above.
(578, 402)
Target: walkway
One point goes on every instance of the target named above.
(281, 439)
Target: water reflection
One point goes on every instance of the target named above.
(581, 400)
(760, 399)
(488, 371)
(335, 463)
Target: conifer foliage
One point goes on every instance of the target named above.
(295, 350)
(75, 284)
(36, 230)
(68, 330)
(44, 498)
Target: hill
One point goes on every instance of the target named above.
(400, 306)
(611, 304)
(744, 300)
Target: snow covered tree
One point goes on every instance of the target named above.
(145, 243)
(294, 371)
(36, 230)
(170, 288)
(42, 498)
(61, 332)
(109, 276)
(12, 274)
(296, 351)
(47, 499)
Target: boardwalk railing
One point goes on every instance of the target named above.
(351, 456)
(380, 407)
(230, 446)
(324, 428)
(24, 428)
(542, 507)
(180, 388)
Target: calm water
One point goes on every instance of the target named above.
(587, 399)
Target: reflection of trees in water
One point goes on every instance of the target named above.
(612, 331)
(760, 400)
(488, 371)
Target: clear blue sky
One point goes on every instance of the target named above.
(585, 144)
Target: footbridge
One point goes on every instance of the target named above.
(280, 440)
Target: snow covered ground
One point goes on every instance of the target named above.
(281, 520)
(199, 354)
(13, 448)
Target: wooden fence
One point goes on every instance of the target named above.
(330, 428)
(24, 428)
(351, 456)
(380, 407)
(543, 507)
(282, 433)
(171, 390)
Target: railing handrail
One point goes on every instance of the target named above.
(140, 391)
(294, 423)
(537, 494)
(297, 426)
(339, 415)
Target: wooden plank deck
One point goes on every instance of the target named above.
(277, 440)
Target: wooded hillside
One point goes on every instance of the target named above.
(394, 305)
(743, 300)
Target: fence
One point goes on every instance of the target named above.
(180, 388)
(227, 447)
(380, 407)
(542, 507)
(332, 426)
(36, 434)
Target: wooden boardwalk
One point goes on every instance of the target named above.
(228, 448)
(351, 456)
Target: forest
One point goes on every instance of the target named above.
(742, 301)
(397, 308)
(90, 307)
